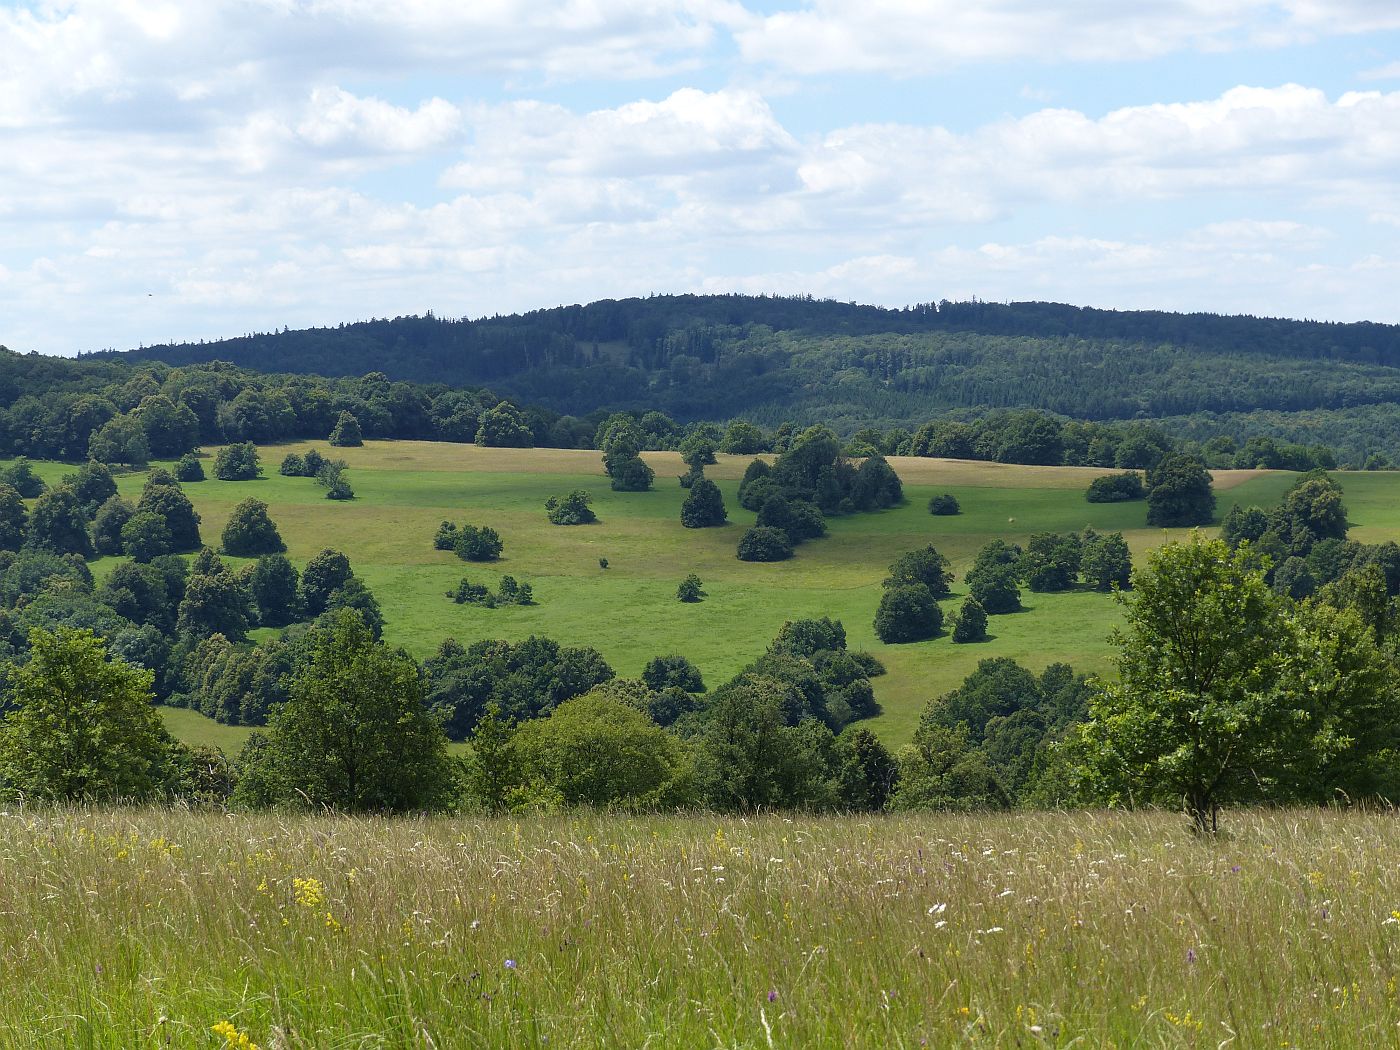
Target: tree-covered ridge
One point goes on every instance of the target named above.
(681, 352)
(843, 365)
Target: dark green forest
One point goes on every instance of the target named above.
(772, 359)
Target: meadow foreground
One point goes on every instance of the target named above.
(169, 928)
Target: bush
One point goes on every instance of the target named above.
(704, 507)
(14, 519)
(1107, 562)
(907, 613)
(664, 672)
(690, 589)
(57, 523)
(572, 509)
(478, 544)
(20, 476)
(189, 468)
(994, 587)
(446, 538)
(1116, 488)
(346, 433)
(107, 525)
(925, 566)
(331, 477)
(237, 462)
(468, 593)
(970, 622)
(250, 532)
(944, 505)
(763, 543)
(144, 536)
(1051, 562)
(293, 466)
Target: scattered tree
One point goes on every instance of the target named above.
(346, 432)
(238, 462)
(970, 622)
(704, 506)
(762, 543)
(250, 532)
(572, 509)
(81, 727)
(907, 613)
(690, 589)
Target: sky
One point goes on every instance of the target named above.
(182, 171)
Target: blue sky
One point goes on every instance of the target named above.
(183, 171)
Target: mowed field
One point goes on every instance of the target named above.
(153, 928)
(629, 611)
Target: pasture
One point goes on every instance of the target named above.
(629, 611)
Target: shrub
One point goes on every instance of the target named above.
(944, 505)
(690, 589)
(907, 613)
(925, 566)
(20, 476)
(970, 622)
(1051, 561)
(1106, 561)
(478, 544)
(144, 536)
(57, 523)
(293, 466)
(763, 543)
(14, 519)
(237, 462)
(325, 574)
(346, 432)
(107, 525)
(664, 672)
(572, 509)
(331, 476)
(446, 538)
(1116, 488)
(189, 468)
(704, 507)
(468, 593)
(994, 587)
(250, 532)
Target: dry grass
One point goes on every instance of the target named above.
(136, 929)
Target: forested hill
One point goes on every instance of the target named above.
(714, 357)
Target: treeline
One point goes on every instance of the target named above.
(844, 365)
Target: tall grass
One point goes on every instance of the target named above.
(149, 928)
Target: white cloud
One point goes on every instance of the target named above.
(923, 37)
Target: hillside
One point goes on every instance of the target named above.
(846, 365)
(629, 612)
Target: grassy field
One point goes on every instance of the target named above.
(315, 933)
(629, 611)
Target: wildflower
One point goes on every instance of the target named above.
(938, 909)
(510, 964)
(1190, 956)
(772, 996)
(233, 1038)
(310, 893)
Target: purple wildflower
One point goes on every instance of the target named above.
(772, 996)
(510, 964)
(1191, 956)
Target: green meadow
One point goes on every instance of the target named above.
(629, 611)
(133, 929)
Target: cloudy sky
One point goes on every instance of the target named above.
(184, 170)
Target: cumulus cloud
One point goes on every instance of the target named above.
(176, 170)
